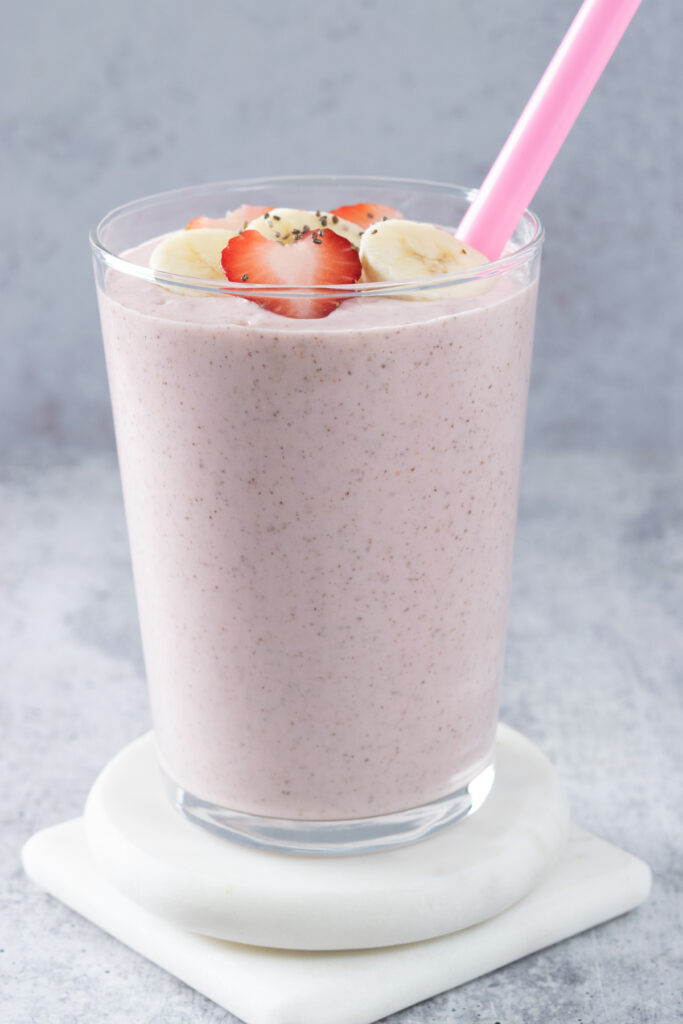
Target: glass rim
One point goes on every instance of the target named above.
(494, 268)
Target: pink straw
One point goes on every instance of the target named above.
(546, 120)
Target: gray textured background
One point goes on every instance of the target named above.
(106, 102)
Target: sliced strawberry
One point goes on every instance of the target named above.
(316, 258)
(209, 222)
(240, 217)
(234, 220)
(366, 214)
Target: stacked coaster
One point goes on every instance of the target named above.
(334, 940)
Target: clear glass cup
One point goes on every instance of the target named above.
(321, 517)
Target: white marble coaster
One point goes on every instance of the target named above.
(463, 875)
(592, 882)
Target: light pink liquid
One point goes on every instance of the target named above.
(321, 516)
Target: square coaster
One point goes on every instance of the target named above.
(593, 882)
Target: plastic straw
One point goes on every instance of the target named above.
(545, 123)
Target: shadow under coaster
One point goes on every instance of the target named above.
(277, 939)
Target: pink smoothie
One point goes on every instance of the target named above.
(321, 516)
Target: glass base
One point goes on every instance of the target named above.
(334, 838)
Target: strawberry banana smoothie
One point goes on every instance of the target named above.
(321, 497)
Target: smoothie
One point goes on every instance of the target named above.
(321, 516)
(322, 509)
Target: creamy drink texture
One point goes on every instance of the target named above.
(321, 515)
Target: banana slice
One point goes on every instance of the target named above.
(194, 253)
(284, 224)
(404, 250)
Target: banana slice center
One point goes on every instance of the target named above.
(403, 250)
(285, 225)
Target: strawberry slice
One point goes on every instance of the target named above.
(234, 220)
(316, 258)
(366, 214)
(209, 222)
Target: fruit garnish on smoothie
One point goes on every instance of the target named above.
(366, 214)
(286, 247)
(195, 253)
(407, 250)
(234, 220)
(286, 225)
(316, 258)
